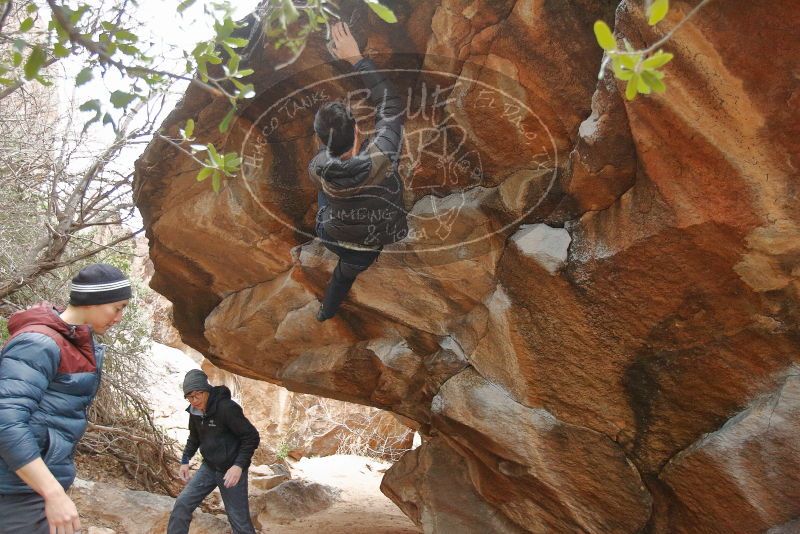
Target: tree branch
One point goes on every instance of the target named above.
(19, 83)
(6, 12)
(94, 48)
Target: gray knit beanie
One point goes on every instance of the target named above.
(195, 380)
(99, 283)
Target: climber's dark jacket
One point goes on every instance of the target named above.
(365, 192)
(222, 433)
(49, 374)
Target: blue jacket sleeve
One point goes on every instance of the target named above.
(28, 365)
(389, 113)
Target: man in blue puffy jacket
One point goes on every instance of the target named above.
(49, 374)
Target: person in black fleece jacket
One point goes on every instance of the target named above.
(227, 441)
(360, 191)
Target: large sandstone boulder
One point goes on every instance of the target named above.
(266, 477)
(595, 320)
(104, 507)
(292, 500)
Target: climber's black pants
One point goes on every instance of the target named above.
(351, 264)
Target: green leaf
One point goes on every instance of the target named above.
(34, 63)
(121, 99)
(203, 70)
(91, 105)
(657, 60)
(59, 50)
(233, 63)
(604, 36)
(215, 158)
(232, 162)
(204, 173)
(186, 4)
(632, 89)
(236, 42)
(228, 50)
(246, 90)
(244, 72)
(214, 58)
(31, 8)
(226, 122)
(83, 76)
(6, 81)
(189, 131)
(619, 71)
(125, 35)
(127, 49)
(642, 86)
(653, 81)
(312, 20)
(26, 25)
(382, 11)
(63, 35)
(657, 11)
(289, 12)
(630, 61)
(16, 59)
(108, 119)
(78, 14)
(216, 181)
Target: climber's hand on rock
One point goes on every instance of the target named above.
(184, 474)
(343, 44)
(232, 476)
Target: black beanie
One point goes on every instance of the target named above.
(99, 283)
(195, 380)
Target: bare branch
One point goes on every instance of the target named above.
(93, 252)
(19, 83)
(6, 12)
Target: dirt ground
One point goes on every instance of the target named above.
(363, 509)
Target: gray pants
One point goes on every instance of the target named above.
(23, 512)
(201, 484)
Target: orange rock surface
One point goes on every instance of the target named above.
(595, 321)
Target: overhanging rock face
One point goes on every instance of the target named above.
(595, 317)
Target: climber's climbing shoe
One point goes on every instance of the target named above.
(321, 316)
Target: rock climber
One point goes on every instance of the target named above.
(360, 193)
(227, 441)
(50, 372)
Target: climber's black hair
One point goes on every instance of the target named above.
(335, 127)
